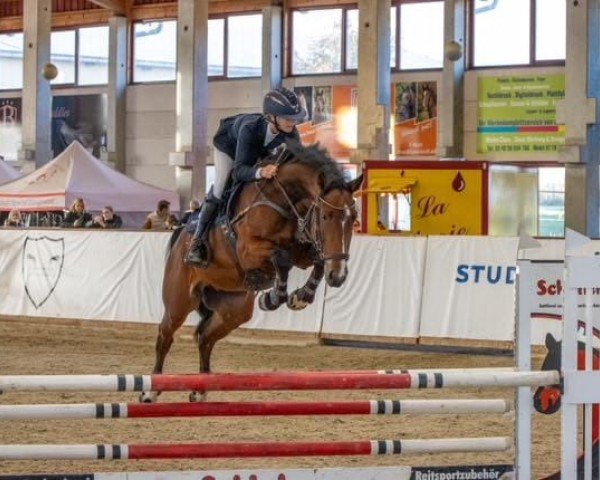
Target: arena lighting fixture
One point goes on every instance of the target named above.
(49, 71)
(453, 51)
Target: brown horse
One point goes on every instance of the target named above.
(303, 217)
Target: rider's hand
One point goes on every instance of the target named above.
(268, 171)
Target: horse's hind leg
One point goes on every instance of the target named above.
(164, 340)
(230, 311)
(205, 318)
(277, 296)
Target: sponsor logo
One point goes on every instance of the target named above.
(43, 260)
(492, 274)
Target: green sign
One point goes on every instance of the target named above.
(517, 114)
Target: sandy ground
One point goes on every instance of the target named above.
(30, 347)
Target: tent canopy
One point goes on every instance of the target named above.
(77, 173)
(7, 173)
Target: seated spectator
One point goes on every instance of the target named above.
(77, 217)
(161, 218)
(192, 213)
(107, 219)
(14, 219)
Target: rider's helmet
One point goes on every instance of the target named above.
(283, 103)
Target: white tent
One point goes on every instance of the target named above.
(77, 173)
(7, 173)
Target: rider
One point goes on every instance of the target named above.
(239, 143)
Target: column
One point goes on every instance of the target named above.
(580, 113)
(192, 99)
(117, 89)
(374, 89)
(272, 48)
(37, 97)
(450, 90)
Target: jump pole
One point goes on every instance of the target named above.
(243, 450)
(277, 381)
(209, 409)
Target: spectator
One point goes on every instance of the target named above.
(161, 218)
(77, 217)
(191, 215)
(14, 219)
(107, 219)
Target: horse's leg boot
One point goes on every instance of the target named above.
(198, 254)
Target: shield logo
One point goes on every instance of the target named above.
(43, 260)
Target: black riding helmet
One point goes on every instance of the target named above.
(283, 103)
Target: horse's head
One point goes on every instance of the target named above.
(329, 209)
(336, 215)
(547, 398)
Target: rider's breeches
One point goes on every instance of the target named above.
(223, 167)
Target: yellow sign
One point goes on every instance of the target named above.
(439, 198)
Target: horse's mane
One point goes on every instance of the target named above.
(316, 159)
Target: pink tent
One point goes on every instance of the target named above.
(7, 173)
(77, 173)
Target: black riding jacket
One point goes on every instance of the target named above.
(242, 137)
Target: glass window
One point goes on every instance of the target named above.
(155, 51)
(11, 60)
(501, 32)
(551, 202)
(93, 56)
(393, 19)
(244, 45)
(216, 47)
(62, 55)
(550, 29)
(352, 39)
(422, 35)
(317, 41)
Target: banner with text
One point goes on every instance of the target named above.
(517, 114)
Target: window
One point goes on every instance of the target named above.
(155, 51)
(216, 47)
(62, 55)
(422, 35)
(317, 41)
(11, 61)
(551, 202)
(92, 61)
(244, 46)
(501, 32)
(317, 34)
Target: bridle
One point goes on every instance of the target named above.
(308, 225)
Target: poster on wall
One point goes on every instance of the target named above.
(517, 114)
(331, 118)
(81, 118)
(75, 117)
(10, 128)
(415, 118)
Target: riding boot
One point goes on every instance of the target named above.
(198, 253)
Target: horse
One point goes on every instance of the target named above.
(546, 399)
(303, 216)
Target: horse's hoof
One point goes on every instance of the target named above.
(266, 304)
(294, 302)
(148, 397)
(198, 397)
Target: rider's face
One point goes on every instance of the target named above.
(285, 125)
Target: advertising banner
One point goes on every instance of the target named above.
(415, 118)
(469, 288)
(517, 114)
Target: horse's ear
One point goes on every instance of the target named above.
(355, 184)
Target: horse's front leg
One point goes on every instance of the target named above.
(305, 295)
(277, 296)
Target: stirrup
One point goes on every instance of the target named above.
(199, 255)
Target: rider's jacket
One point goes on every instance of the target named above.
(242, 138)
